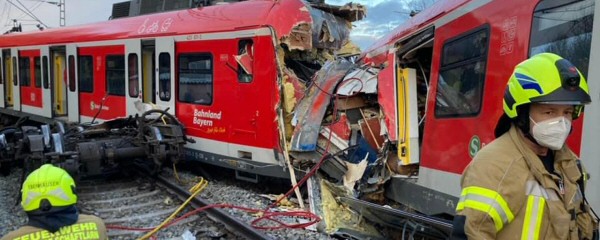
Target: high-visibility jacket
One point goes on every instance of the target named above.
(507, 193)
(87, 227)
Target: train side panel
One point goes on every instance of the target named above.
(101, 82)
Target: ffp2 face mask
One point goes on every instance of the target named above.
(551, 133)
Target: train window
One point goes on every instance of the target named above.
(196, 78)
(565, 28)
(14, 71)
(86, 74)
(45, 71)
(245, 59)
(133, 75)
(24, 71)
(115, 75)
(164, 76)
(38, 72)
(72, 73)
(462, 75)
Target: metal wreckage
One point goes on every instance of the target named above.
(339, 117)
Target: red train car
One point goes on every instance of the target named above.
(461, 54)
(219, 69)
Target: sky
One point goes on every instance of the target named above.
(382, 15)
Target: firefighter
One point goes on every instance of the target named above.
(48, 198)
(527, 183)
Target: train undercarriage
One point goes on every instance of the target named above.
(87, 150)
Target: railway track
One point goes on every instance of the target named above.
(232, 224)
(135, 201)
(130, 205)
(132, 202)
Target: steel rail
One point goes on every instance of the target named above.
(231, 223)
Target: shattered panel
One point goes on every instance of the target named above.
(329, 31)
(351, 11)
(300, 38)
(386, 85)
(246, 59)
(371, 132)
(355, 172)
(349, 49)
(359, 80)
(310, 111)
(350, 103)
(340, 132)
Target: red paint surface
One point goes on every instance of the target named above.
(445, 143)
(31, 95)
(112, 106)
(247, 110)
(386, 89)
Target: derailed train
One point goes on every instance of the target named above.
(206, 66)
(399, 124)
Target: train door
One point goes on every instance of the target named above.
(254, 135)
(101, 81)
(8, 86)
(455, 101)
(73, 92)
(165, 73)
(45, 76)
(148, 74)
(15, 77)
(133, 50)
(30, 81)
(2, 80)
(59, 83)
(246, 125)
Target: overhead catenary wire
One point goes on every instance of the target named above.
(31, 12)
(26, 11)
(23, 12)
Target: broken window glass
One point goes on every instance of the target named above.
(245, 59)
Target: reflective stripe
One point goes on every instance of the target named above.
(534, 188)
(486, 201)
(533, 218)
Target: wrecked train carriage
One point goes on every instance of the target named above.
(224, 71)
(439, 96)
